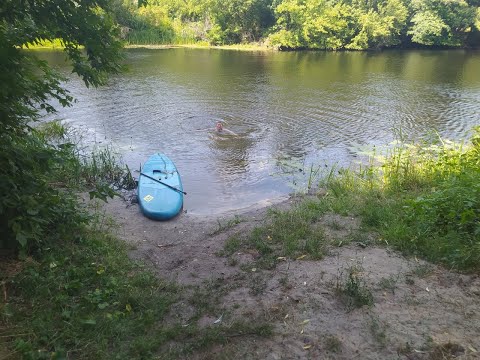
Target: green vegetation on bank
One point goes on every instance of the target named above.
(86, 299)
(423, 199)
(301, 24)
(68, 288)
(79, 295)
(34, 210)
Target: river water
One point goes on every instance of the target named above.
(291, 111)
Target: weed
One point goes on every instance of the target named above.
(232, 245)
(389, 283)
(378, 330)
(409, 280)
(423, 270)
(196, 339)
(223, 226)
(292, 233)
(285, 282)
(335, 225)
(405, 349)
(333, 344)
(361, 237)
(353, 287)
(257, 284)
(87, 298)
(232, 261)
(447, 351)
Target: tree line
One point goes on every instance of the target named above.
(303, 24)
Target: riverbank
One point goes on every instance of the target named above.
(337, 274)
(239, 47)
(218, 299)
(354, 298)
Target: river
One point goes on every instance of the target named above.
(291, 111)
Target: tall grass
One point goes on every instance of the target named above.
(83, 167)
(176, 34)
(422, 198)
(149, 37)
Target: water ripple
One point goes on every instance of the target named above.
(298, 108)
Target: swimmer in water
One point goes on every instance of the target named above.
(220, 129)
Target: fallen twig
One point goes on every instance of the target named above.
(166, 245)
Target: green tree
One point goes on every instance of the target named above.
(381, 27)
(329, 27)
(236, 21)
(30, 207)
(290, 15)
(442, 22)
(337, 25)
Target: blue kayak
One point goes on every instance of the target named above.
(160, 191)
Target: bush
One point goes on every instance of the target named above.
(43, 172)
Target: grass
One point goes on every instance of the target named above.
(351, 286)
(389, 283)
(423, 199)
(293, 233)
(85, 299)
(378, 331)
(423, 270)
(97, 169)
(333, 344)
(151, 38)
(226, 225)
(79, 295)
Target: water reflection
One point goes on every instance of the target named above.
(306, 107)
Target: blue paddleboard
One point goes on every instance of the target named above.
(160, 201)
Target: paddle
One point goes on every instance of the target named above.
(169, 186)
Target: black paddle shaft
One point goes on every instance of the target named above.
(161, 182)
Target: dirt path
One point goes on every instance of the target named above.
(413, 310)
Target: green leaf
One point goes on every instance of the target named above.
(103, 305)
(22, 239)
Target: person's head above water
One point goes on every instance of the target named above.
(219, 126)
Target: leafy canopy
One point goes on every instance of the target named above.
(30, 207)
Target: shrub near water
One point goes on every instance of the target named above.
(424, 199)
(40, 205)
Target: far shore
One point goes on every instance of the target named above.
(238, 47)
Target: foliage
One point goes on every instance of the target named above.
(238, 21)
(32, 210)
(353, 288)
(30, 206)
(86, 299)
(424, 199)
(312, 24)
(340, 25)
(441, 22)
